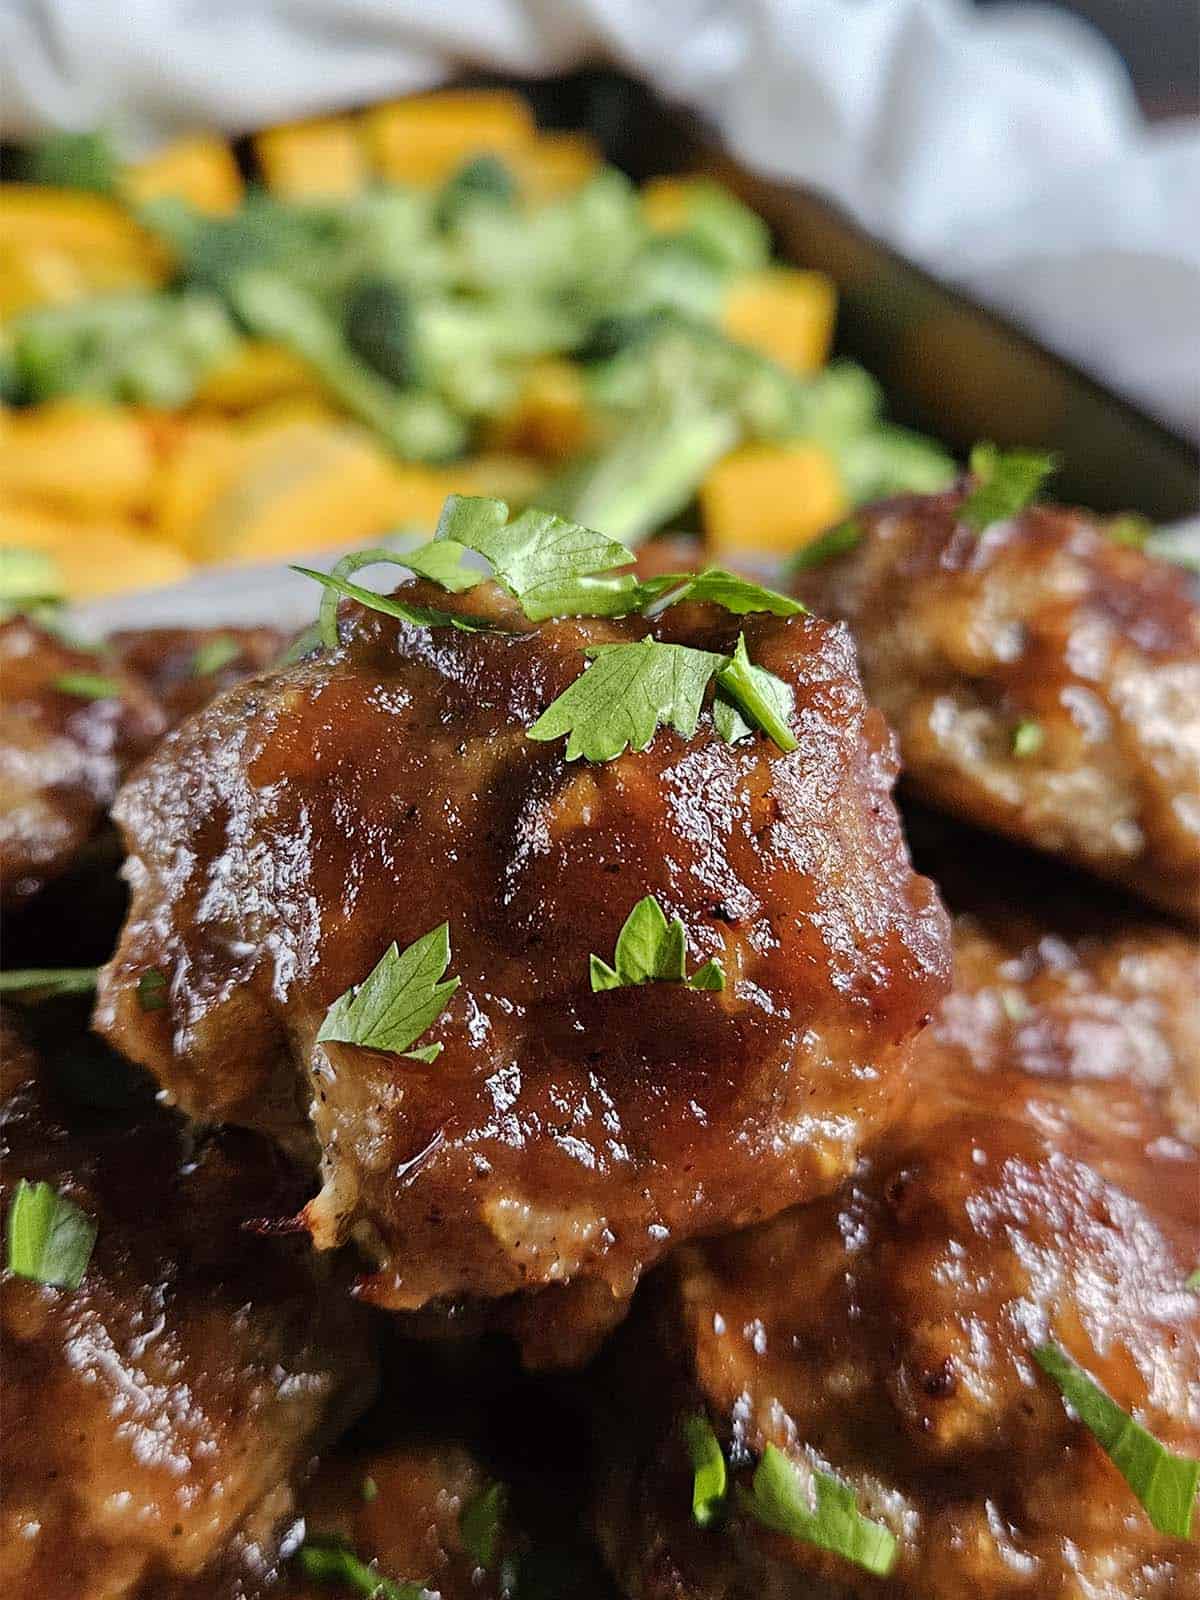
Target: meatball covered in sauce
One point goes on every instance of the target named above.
(1043, 680)
(283, 839)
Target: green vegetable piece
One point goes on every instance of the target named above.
(380, 327)
(419, 616)
(87, 685)
(152, 990)
(1131, 529)
(838, 541)
(398, 1001)
(1008, 481)
(481, 1524)
(28, 578)
(214, 655)
(761, 699)
(620, 701)
(370, 1490)
(482, 181)
(326, 1562)
(652, 950)
(825, 1514)
(709, 1477)
(439, 561)
(1164, 1482)
(1027, 738)
(67, 160)
(1193, 1281)
(715, 586)
(50, 1238)
(548, 563)
(733, 235)
(47, 983)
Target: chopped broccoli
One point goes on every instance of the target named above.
(380, 327)
(728, 232)
(483, 181)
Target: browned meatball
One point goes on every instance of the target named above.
(1042, 679)
(1040, 1191)
(281, 840)
(187, 667)
(155, 1418)
(62, 753)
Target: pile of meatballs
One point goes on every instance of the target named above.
(454, 1326)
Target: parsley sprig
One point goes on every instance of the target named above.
(398, 1001)
(47, 983)
(824, 1514)
(650, 949)
(710, 1479)
(326, 1561)
(1006, 482)
(50, 1238)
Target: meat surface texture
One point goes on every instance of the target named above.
(1043, 680)
(1043, 1189)
(284, 838)
(186, 667)
(157, 1418)
(62, 752)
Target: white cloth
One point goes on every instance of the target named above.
(1002, 149)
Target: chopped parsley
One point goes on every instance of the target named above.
(1193, 1281)
(715, 586)
(398, 1001)
(750, 697)
(326, 1561)
(1130, 528)
(709, 1476)
(50, 1238)
(421, 616)
(28, 578)
(1006, 481)
(47, 983)
(1027, 738)
(823, 1513)
(369, 1490)
(838, 541)
(652, 950)
(87, 685)
(214, 654)
(1164, 1482)
(481, 1524)
(152, 990)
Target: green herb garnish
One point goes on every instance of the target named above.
(717, 587)
(214, 654)
(152, 990)
(326, 1561)
(87, 685)
(1193, 1281)
(838, 541)
(421, 616)
(398, 1001)
(709, 1476)
(750, 697)
(482, 1522)
(1027, 738)
(1007, 482)
(28, 578)
(1130, 528)
(46, 983)
(651, 949)
(369, 1490)
(1164, 1482)
(50, 1238)
(823, 1513)
(439, 561)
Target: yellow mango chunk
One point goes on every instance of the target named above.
(424, 140)
(82, 225)
(665, 203)
(194, 473)
(253, 374)
(95, 556)
(550, 418)
(784, 312)
(324, 159)
(556, 164)
(200, 170)
(770, 497)
(45, 275)
(83, 456)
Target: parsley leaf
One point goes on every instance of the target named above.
(1129, 528)
(87, 685)
(717, 587)
(46, 983)
(422, 616)
(1027, 737)
(759, 700)
(1193, 1281)
(1008, 481)
(651, 949)
(481, 1523)
(838, 541)
(709, 1478)
(779, 1498)
(50, 1238)
(1164, 1482)
(441, 563)
(214, 654)
(152, 990)
(397, 1001)
(327, 1562)
(548, 563)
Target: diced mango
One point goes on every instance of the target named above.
(769, 497)
(95, 556)
(425, 139)
(84, 456)
(253, 374)
(324, 159)
(81, 224)
(556, 164)
(551, 418)
(665, 203)
(784, 312)
(194, 474)
(46, 275)
(200, 170)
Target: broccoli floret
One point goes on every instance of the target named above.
(483, 181)
(381, 328)
(731, 235)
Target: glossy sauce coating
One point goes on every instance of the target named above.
(156, 1419)
(1045, 622)
(1042, 1189)
(169, 661)
(281, 840)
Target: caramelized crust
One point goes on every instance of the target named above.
(1042, 1189)
(156, 1418)
(964, 637)
(168, 658)
(282, 839)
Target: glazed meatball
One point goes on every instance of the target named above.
(156, 1418)
(186, 667)
(1043, 680)
(1041, 1190)
(64, 746)
(284, 838)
